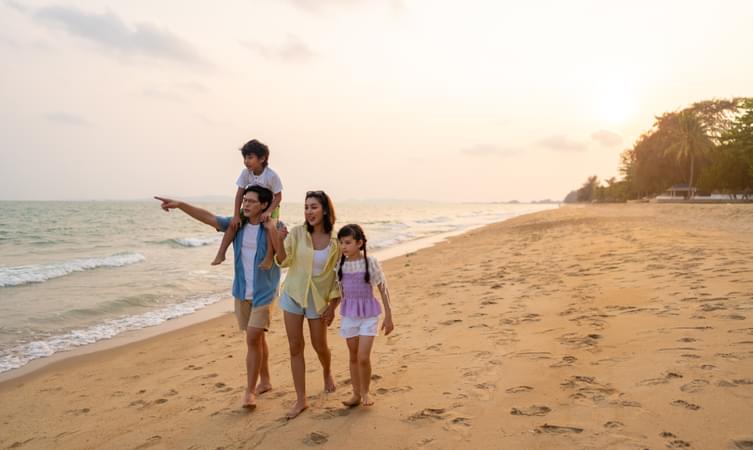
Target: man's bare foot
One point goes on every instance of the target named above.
(218, 260)
(296, 410)
(266, 264)
(263, 387)
(353, 401)
(366, 400)
(249, 400)
(329, 384)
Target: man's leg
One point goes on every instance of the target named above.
(265, 382)
(254, 361)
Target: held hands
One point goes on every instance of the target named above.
(328, 316)
(387, 325)
(265, 216)
(167, 203)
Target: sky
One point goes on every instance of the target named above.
(393, 99)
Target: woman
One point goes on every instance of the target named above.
(310, 252)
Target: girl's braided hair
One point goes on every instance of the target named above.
(356, 232)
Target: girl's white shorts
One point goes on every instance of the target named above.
(358, 326)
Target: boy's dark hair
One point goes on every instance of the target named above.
(356, 232)
(329, 210)
(254, 147)
(264, 194)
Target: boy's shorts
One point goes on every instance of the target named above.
(358, 326)
(249, 316)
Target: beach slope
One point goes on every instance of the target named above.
(615, 326)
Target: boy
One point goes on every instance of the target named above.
(257, 172)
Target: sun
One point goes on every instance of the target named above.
(615, 102)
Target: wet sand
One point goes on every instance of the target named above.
(624, 326)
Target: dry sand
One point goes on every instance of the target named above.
(625, 326)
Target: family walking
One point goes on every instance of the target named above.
(325, 270)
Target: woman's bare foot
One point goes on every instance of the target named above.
(329, 384)
(366, 400)
(249, 400)
(353, 401)
(298, 408)
(263, 387)
(218, 260)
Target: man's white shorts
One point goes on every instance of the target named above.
(358, 326)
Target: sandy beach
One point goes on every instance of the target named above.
(588, 327)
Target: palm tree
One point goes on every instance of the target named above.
(689, 141)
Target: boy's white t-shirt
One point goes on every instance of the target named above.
(248, 253)
(268, 179)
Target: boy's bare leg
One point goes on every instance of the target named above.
(227, 239)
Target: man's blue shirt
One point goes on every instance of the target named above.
(266, 282)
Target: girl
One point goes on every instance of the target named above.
(310, 252)
(360, 311)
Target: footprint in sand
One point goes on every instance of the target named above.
(154, 440)
(78, 412)
(547, 428)
(686, 405)
(533, 410)
(427, 413)
(566, 361)
(612, 424)
(518, 389)
(694, 386)
(743, 444)
(316, 438)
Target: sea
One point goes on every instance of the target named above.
(73, 274)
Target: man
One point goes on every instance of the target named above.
(254, 289)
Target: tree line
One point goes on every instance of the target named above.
(708, 146)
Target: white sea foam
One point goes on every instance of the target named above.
(38, 273)
(20, 355)
(198, 241)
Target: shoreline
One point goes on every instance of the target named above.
(211, 312)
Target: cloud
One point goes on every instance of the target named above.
(293, 50)
(314, 6)
(489, 150)
(158, 94)
(561, 143)
(607, 138)
(67, 119)
(15, 5)
(109, 31)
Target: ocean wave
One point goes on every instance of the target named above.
(39, 273)
(198, 241)
(22, 354)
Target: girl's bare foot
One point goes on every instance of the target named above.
(249, 400)
(298, 408)
(353, 401)
(366, 400)
(329, 384)
(262, 388)
(218, 260)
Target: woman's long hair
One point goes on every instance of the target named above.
(328, 218)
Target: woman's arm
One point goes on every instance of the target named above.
(279, 242)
